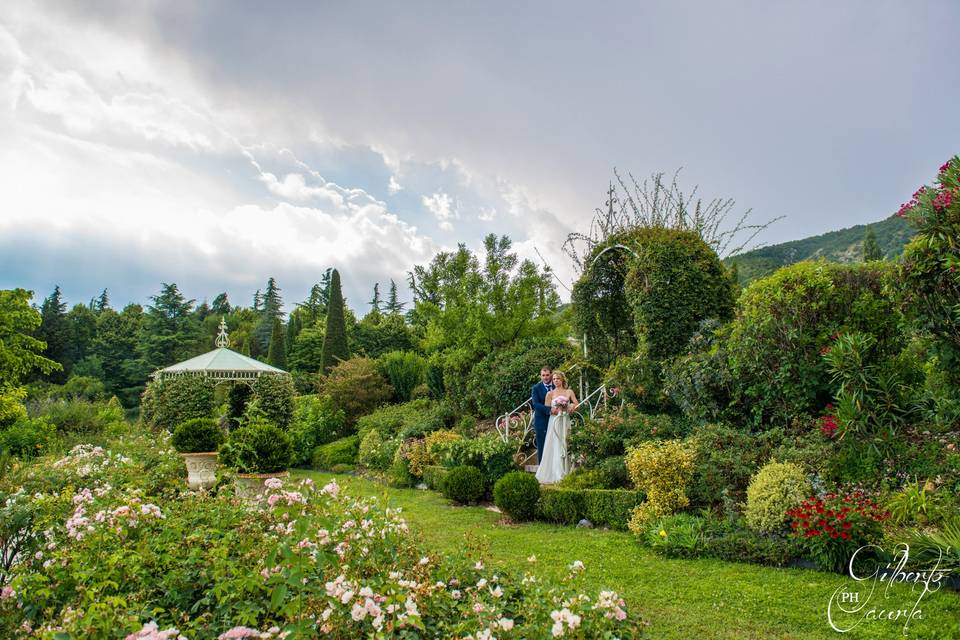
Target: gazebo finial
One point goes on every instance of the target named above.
(223, 340)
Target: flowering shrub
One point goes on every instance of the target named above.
(307, 561)
(833, 527)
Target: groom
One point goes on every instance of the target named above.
(541, 412)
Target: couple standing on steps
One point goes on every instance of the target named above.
(553, 401)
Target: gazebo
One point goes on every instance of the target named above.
(220, 365)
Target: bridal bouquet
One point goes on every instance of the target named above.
(561, 404)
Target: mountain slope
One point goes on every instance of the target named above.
(844, 245)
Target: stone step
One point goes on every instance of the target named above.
(532, 468)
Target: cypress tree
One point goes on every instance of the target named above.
(278, 350)
(335, 337)
(294, 327)
(871, 249)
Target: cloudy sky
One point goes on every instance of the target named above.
(215, 144)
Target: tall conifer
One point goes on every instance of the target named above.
(278, 350)
(394, 306)
(871, 249)
(335, 337)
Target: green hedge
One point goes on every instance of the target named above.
(339, 452)
(602, 507)
(433, 476)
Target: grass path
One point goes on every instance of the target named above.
(681, 599)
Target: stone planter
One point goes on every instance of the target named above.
(201, 469)
(250, 485)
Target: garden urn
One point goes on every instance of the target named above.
(201, 469)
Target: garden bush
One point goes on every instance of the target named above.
(27, 437)
(275, 394)
(464, 485)
(411, 419)
(400, 473)
(81, 417)
(611, 434)
(777, 488)
(517, 494)
(338, 452)
(750, 547)
(726, 459)
(376, 452)
(197, 435)
(257, 447)
(661, 469)
(583, 478)
(404, 371)
(357, 387)
(168, 402)
(316, 421)
(489, 453)
(502, 379)
(433, 476)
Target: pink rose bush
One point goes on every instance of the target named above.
(122, 547)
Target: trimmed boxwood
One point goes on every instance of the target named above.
(464, 485)
(517, 494)
(338, 452)
(198, 435)
(602, 507)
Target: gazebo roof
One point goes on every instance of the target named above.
(220, 364)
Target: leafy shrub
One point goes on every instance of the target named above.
(275, 394)
(517, 494)
(676, 536)
(376, 452)
(612, 434)
(464, 485)
(615, 471)
(929, 292)
(726, 458)
(832, 528)
(400, 474)
(82, 417)
(661, 469)
(939, 547)
(338, 452)
(502, 379)
(343, 468)
(489, 453)
(700, 382)
(433, 476)
(412, 419)
(197, 435)
(257, 447)
(404, 371)
(168, 402)
(27, 437)
(777, 488)
(750, 547)
(784, 321)
(563, 506)
(357, 387)
(583, 478)
(316, 421)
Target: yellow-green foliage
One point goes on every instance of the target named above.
(662, 469)
(415, 451)
(777, 487)
(437, 442)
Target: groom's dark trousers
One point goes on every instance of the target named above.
(541, 416)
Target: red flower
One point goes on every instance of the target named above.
(847, 525)
(845, 535)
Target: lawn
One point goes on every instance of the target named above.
(679, 598)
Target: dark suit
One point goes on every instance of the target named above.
(541, 415)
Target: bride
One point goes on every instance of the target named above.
(562, 400)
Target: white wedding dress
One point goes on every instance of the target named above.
(555, 464)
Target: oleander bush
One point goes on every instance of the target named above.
(197, 435)
(339, 452)
(464, 485)
(316, 421)
(777, 488)
(172, 562)
(517, 494)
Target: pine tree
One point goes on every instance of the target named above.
(54, 329)
(314, 306)
(394, 306)
(271, 305)
(257, 301)
(101, 303)
(170, 333)
(325, 283)
(374, 314)
(278, 350)
(871, 249)
(221, 305)
(335, 337)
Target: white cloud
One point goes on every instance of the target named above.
(393, 186)
(441, 206)
(487, 214)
